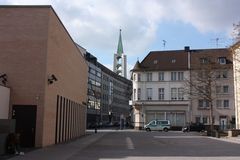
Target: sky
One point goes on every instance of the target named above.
(145, 24)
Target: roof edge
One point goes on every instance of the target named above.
(25, 6)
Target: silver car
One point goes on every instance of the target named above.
(158, 125)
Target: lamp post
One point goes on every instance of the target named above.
(143, 121)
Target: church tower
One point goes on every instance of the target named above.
(120, 59)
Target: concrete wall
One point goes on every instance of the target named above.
(4, 102)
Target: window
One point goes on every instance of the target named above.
(149, 76)
(200, 89)
(225, 89)
(203, 74)
(149, 93)
(222, 74)
(198, 119)
(226, 103)
(202, 103)
(161, 76)
(134, 94)
(174, 93)
(205, 120)
(173, 60)
(161, 93)
(173, 76)
(218, 89)
(155, 61)
(180, 93)
(225, 74)
(99, 74)
(180, 76)
(139, 93)
(204, 60)
(139, 77)
(219, 103)
(134, 77)
(222, 60)
(91, 70)
(218, 74)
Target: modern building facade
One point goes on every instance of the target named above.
(163, 85)
(120, 59)
(47, 75)
(94, 91)
(116, 94)
(108, 94)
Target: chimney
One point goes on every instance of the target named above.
(186, 48)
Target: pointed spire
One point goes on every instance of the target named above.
(120, 46)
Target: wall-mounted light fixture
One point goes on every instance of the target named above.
(51, 79)
(3, 78)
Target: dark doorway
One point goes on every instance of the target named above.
(25, 116)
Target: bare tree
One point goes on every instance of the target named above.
(204, 83)
(236, 32)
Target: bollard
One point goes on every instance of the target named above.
(95, 129)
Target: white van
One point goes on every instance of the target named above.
(158, 125)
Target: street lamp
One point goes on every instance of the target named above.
(142, 114)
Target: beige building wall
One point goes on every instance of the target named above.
(33, 45)
(4, 102)
(219, 112)
(23, 43)
(236, 72)
(66, 62)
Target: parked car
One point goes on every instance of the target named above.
(199, 127)
(158, 125)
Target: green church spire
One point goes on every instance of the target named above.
(120, 46)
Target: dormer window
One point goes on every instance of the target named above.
(222, 60)
(155, 61)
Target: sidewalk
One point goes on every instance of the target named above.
(228, 139)
(61, 151)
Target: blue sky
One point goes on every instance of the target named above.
(95, 24)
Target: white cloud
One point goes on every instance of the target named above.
(205, 15)
(94, 24)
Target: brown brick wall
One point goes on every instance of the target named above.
(66, 62)
(23, 44)
(33, 45)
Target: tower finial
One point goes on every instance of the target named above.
(120, 46)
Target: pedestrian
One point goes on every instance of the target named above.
(17, 143)
(13, 144)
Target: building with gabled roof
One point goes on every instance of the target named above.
(162, 90)
(158, 83)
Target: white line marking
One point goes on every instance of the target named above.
(178, 137)
(129, 143)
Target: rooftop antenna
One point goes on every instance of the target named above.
(217, 41)
(164, 43)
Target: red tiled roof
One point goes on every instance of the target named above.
(163, 61)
